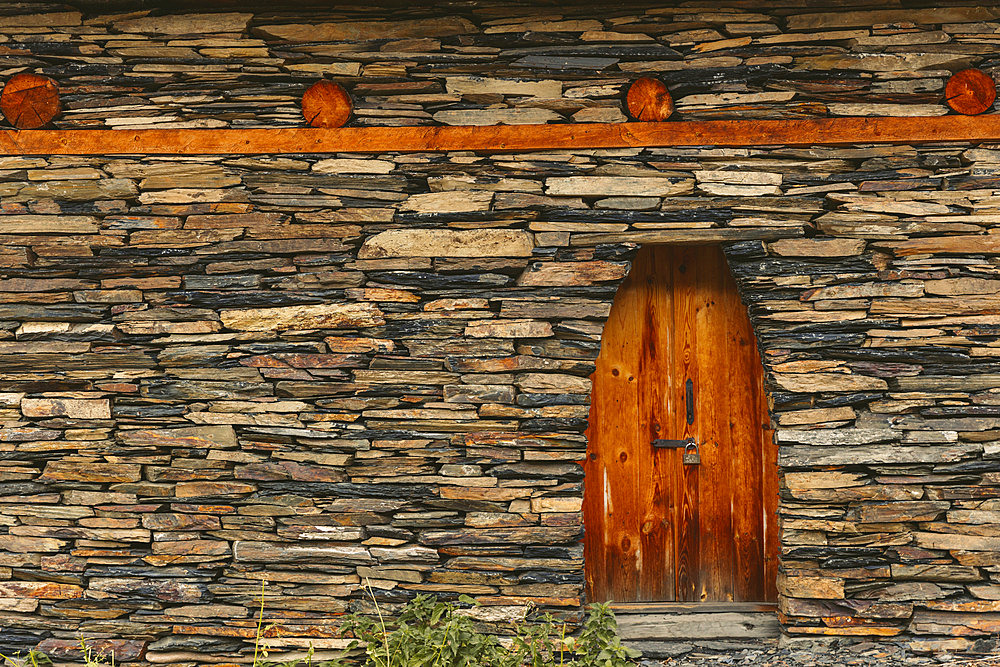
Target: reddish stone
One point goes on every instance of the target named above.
(199, 489)
(181, 522)
(124, 650)
(91, 471)
(192, 547)
(45, 590)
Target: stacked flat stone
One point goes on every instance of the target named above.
(322, 371)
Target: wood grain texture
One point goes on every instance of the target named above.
(657, 467)
(746, 421)
(503, 138)
(970, 92)
(30, 101)
(619, 462)
(595, 543)
(649, 100)
(682, 365)
(658, 529)
(713, 389)
(326, 104)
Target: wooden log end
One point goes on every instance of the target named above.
(970, 92)
(649, 100)
(326, 104)
(29, 101)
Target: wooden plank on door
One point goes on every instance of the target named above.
(746, 436)
(712, 402)
(656, 579)
(656, 466)
(685, 367)
(615, 440)
(594, 499)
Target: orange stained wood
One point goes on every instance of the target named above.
(326, 104)
(656, 529)
(648, 99)
(970, 92)
(503, 138)
(29, 101)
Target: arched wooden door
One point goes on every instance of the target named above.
(679, 360)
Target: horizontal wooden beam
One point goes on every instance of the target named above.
(502, 138)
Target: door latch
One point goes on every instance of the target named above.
(660, 443)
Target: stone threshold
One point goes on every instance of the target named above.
(656, 628)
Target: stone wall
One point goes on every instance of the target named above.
(322, 370)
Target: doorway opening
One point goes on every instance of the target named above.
(681, 486)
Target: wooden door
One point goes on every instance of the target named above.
(656, 529)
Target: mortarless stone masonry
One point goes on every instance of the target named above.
(321, 370)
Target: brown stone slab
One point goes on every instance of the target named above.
(502, 138)
(685, 236)
(123, 650)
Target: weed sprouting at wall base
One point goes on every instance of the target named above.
(92, 659)
(32, 658)
(259, 645)
(432, 633)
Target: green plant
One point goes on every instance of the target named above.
(32, 659)
(91, 658)
(431, 633)
(599, 644)
(94, 659)
(428, 633)
(307, 662)
(261, 648)
(535, 644)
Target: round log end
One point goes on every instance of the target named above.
(29, 101)
(970, 92)
(326, 104)
(649, 100)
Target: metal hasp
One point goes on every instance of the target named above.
(660, 443)
(689, 400)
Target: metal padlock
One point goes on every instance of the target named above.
(691, 458)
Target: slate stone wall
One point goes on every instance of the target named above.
(325, 370)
